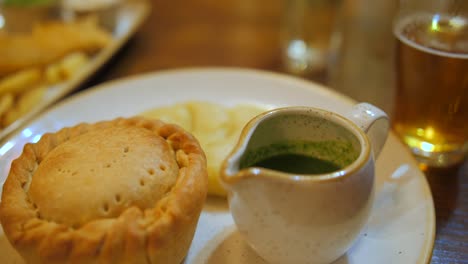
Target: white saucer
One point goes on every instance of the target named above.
(401, 228)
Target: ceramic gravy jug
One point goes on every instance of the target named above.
(300, 181)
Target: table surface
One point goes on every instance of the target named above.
(246, 33)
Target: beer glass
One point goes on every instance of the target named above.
(431, 104)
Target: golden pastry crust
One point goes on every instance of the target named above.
(128, 190)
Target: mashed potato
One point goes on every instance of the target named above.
(217, 128)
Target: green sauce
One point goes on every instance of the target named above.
(302, 157)
(297, 163)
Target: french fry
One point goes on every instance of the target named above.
(53, 73)
(6, 101)
(71, 64)
(24, 104)
(29, 99)
(20, 81)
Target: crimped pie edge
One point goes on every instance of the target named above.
(161, 234)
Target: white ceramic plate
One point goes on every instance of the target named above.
(129, 18)
(401, 227)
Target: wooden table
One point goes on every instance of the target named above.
(246, 33)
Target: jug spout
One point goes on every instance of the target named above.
(231, 170)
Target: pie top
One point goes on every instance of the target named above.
(93, 188)
(131, 168)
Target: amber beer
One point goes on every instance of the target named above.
(431, 110)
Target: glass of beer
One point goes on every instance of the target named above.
(431, 104)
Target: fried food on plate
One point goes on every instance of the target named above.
(23, 90)
(51, 53)
(20, 81)
(217, 127)
(65, 68)
(24, 103)
(49, 42)
(6, 101)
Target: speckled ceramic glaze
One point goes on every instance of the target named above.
(297, 218)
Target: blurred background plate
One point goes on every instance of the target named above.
(401, 227)
(128, 19)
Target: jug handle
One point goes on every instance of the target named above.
(374, 122)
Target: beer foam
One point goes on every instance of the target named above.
(414, 23)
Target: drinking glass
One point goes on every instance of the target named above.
(431, 104)
(308, 35)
